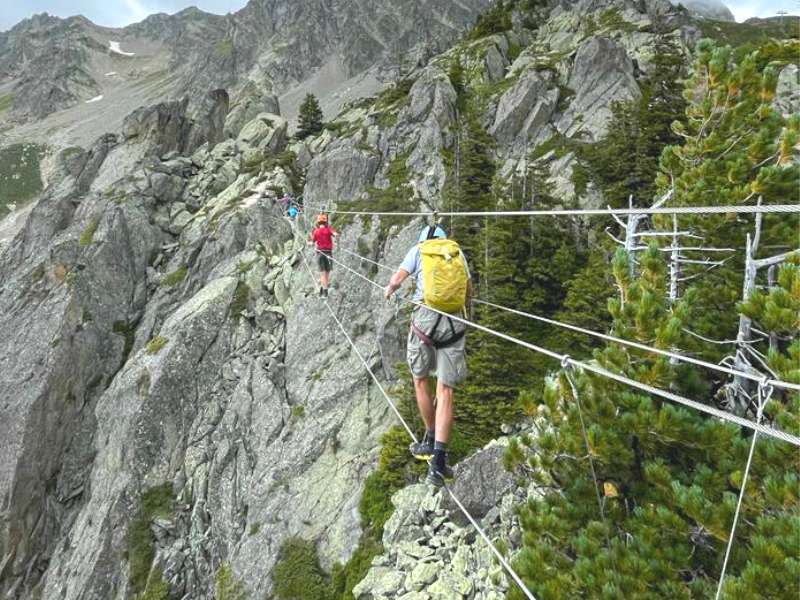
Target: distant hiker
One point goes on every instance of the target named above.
(286, 201)
(293, 211)
(435, 342)
(323, 236)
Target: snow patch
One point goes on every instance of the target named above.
(110, 74)
(114, 47)
(95, 99)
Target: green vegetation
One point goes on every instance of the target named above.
(156, 589)
(128, 333)
(396, 93)
(395, 197)
(227, 587)
(241, 297)
(309, 118)
(612, 20)
(155, 345)
(87, 235)
(6, 102)
(224, 47)
(391, 100)
(297, 574)
(298, 411)
(156, 502)
(20, 177)
(496, 19)
(176, 277)
(669, 478)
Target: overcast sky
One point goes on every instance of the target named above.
(116, 13)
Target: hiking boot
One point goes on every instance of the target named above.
(321, 292)
(438, 478)
(325, 292)
(422, 450)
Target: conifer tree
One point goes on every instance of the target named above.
(657, 519)
(309, 118)
(737, 149)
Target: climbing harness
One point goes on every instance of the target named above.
(426, 338)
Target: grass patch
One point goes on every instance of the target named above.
(127, 331)
(20, 175)
(227, 586)
(176, 277)
(155, 345)
(241, 296)
(391, 101)
(157, 589)
(87, 235)
(397, 196)
(156, 502)
(612, 20)
(557, 143)
(6, 102)
(394, 94)
(495, 19)
(298, 574)
(298, 411)
(224, 47)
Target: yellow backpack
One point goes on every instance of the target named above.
(444, 275)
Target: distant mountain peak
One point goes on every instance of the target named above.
(708, 9)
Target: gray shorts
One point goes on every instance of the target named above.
(449, 364)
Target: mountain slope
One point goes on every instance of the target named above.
(160, 330)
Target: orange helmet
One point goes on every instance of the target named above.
(323, 218)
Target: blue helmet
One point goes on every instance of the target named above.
(438, 233)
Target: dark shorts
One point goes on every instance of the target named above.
(324, 260)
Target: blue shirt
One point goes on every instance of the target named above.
(412, 264)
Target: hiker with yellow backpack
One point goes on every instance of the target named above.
(436, 342)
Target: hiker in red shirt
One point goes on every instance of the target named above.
(323, 236)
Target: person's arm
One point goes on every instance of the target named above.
(395, 282)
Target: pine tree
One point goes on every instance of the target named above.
(656, 522)
(737, 149)
(309, 118)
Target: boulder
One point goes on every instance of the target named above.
(267, 132)
(525, 109)
(341, 172)
(251, 101)
(602, 75)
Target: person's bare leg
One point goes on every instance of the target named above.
(427, 411)
(444, 412)
(325, 279)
